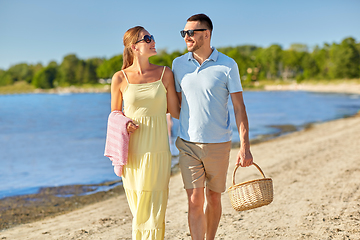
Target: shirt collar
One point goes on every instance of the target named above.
(213, 56)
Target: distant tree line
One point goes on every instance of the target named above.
(335, 61)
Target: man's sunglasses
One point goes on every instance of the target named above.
(147, 39)
(190, 32)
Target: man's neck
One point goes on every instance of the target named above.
(202, 54)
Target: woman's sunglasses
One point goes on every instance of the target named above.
(147, 39)
(190, 32)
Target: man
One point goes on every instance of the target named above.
(204, 80)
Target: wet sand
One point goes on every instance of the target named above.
(316, 175)
(52, 201)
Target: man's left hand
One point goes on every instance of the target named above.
(244, 157)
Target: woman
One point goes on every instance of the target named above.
(148, 92)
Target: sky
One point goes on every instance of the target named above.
(41, 31)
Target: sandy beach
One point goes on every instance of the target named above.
(348, 87)
(316, 175)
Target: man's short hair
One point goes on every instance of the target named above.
(203, 19)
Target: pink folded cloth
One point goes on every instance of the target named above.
(117, 140)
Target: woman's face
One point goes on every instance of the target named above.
(143, 47)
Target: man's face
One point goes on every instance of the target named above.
(197, 41)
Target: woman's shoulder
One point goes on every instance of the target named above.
(118, 79)
(168, 71)
(168, 77)
(118, 76)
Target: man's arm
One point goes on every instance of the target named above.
(244, 157)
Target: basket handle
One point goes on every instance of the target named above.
(237, 166)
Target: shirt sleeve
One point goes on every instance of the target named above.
(233, 80)
(176, 78)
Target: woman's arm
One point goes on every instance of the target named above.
(116, 94)
(173, 104)
(117, 83)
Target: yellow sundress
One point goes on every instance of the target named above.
(147, 173)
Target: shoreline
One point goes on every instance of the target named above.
(316, 179)
(351, 86)
(340, 87)
(52, 201)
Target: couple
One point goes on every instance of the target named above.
(202, 81)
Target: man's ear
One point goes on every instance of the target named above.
(207, 34)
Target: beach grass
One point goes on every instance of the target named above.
(17, 87)
(24, 87)
(258, 85)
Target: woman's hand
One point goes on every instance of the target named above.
(131, 127)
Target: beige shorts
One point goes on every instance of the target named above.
(204, 162)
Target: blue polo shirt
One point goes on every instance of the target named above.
(205, 90)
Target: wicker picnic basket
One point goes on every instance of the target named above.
(251, 194)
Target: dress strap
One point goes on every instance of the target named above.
(125, 76)
(163, 73)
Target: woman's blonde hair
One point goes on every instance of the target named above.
(130, 37)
